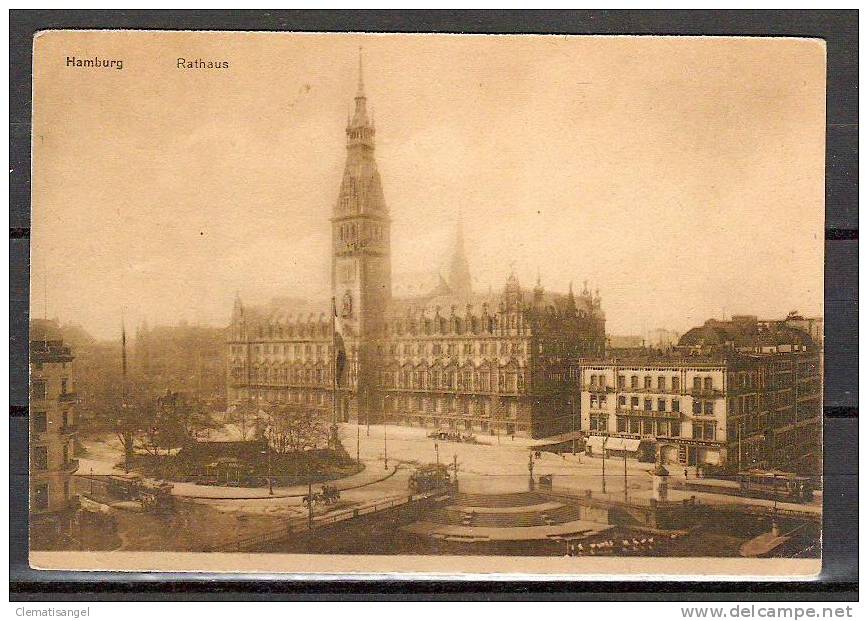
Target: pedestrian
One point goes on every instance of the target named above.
(685, 474)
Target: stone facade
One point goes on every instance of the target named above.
(449, 357)
(52, 426)
(733, 394)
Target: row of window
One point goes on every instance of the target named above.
(663, 382)
(747, 379)
(296, 351)
(39, 457)
(281, 375)
(482, 381)
(700, 407)
(307, 351)
(466, 407)
(290, 330)
(651, 427)
(283, 396)
(453, 349)
(41, 499)
(39, 421)
(674, 405)
(442, 325)
(39, 388)
(348, 231)
(744, 404)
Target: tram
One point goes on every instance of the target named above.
(776, 485)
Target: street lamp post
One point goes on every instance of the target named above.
(738, 428)
(573, 423)
(310, 504)
(385, 446)
(270, 473)
(437, 453)
(605, 439)
(530, 470)
(455, 468)
(625, 475)
(358, 441)
(367, 412)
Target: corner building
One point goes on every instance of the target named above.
(733, 394)
(52, 432)
(448, 358)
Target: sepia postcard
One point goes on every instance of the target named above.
(447, 305)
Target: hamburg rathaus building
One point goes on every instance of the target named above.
(448, 357)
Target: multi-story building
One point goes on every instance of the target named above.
(732, 394)
(812, 325)
(449, 357)
(52, 430)
(185, 358)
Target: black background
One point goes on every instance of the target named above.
(840, 521)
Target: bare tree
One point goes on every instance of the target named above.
(129, 421)
(295, 430)
(247, 417)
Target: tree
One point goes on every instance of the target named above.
(294, 430)
(181, 417)
(248, 418)
(130, 418)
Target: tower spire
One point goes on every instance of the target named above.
(360, 91)
(572, 309)
(538, 291)
(360, 121)
(124, 350)
(459, 271)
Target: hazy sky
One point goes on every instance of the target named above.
(683, 177)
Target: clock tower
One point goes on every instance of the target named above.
(361, 265)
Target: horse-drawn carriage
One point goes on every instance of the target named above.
(429, 477)
(328, 495)
(156, 495)
(452, 436)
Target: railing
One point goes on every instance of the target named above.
(598, 388)
(299, 525)
(588, 497)
(705, 393)
(651, 390)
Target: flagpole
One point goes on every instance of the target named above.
(334, 372)
(124, 415)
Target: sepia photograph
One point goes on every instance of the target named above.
(427, 303)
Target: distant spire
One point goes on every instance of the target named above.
(124, 349)
(571, 301)
(360, 114)
(538, 290)
(360, 91)
(459, 270)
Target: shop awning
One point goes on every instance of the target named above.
(613, 444)
(595, 442)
